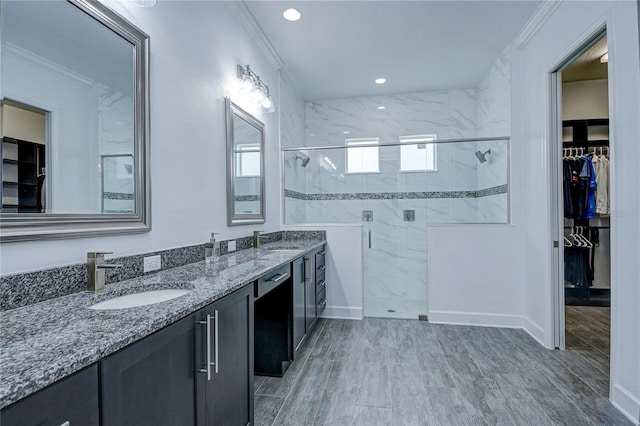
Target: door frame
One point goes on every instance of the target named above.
(556, 193)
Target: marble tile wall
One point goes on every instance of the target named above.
(494, 119)
(292, 134)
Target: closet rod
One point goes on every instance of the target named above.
(589, 227)
(585, 144)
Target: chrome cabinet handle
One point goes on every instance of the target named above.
(208, 369)
(322, 283)
(322, 267)
(305, 260)
(369, 238)
(322, 252)
(215, 319)
(279, 278)
(324, 302)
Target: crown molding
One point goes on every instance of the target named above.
(242, 13)
(537, 20)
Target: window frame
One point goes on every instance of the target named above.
(352, 143)
(427, 139)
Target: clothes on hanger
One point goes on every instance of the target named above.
(579, 188)
(577, 270)
(602, 165)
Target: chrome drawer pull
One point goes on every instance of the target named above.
(322, 253)
(277, 278)
(209, 363)
(322, 267)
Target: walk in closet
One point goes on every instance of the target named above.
(586, 211)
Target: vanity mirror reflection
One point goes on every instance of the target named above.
(74, 102)
(245, 166)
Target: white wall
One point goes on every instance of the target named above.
(585, 99)
(69, 98)
(488, 289)
(344, 272)
(195, 47)
(541, 51)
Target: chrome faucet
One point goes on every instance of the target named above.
(256, 239)
(95, 270)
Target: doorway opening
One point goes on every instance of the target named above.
(581, 210)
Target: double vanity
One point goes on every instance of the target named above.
(100, 358)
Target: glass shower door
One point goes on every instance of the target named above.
(395, 241)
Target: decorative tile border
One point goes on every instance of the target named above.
(117, 196)
(501, 189)
(32, 287)
(247, 198)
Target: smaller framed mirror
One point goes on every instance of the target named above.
(245, 167)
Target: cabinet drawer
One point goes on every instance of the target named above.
(320, 261)
(272, 280)
(322, 302)
(320, 286)
(73, 399)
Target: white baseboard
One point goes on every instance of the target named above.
(628, 404)
(475, 318)
(533, 329)
(343, 312)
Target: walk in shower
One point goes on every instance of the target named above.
(396, 190)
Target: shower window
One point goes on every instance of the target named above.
(418, 155)
(362, 157)
(248, 161)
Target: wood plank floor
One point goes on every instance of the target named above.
(402, 372)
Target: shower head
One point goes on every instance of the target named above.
(482, 156)
(305, 159)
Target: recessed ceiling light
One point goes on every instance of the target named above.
(381, 107)
(292, 14)
(381, 80)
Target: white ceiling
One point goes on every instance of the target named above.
(338, 48)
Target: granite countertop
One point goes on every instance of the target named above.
(47, 341)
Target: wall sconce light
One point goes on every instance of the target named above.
(259, 92)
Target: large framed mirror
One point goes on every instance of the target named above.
(245, 166)
(75, 122)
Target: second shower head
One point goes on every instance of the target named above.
(305, 159)
(482, 156)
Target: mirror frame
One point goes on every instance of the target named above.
(30, 226)
(233, 218)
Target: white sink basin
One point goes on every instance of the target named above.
(139, 299)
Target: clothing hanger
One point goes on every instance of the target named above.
(576, 241)
(567, 243)
(584, 239)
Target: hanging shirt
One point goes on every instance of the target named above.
(589, 211)
(602, 179)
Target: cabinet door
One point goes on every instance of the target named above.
(299, 323)
(225, 393)
(310, 290)
(151, 382)
(72, 401)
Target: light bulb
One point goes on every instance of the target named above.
(257, 95)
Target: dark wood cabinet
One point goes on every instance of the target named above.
(310, 291)
(23, 166)
(70, 401)
(321, 282)
(585, 133)
(151, 382)
(299, 305)
(224, 361)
